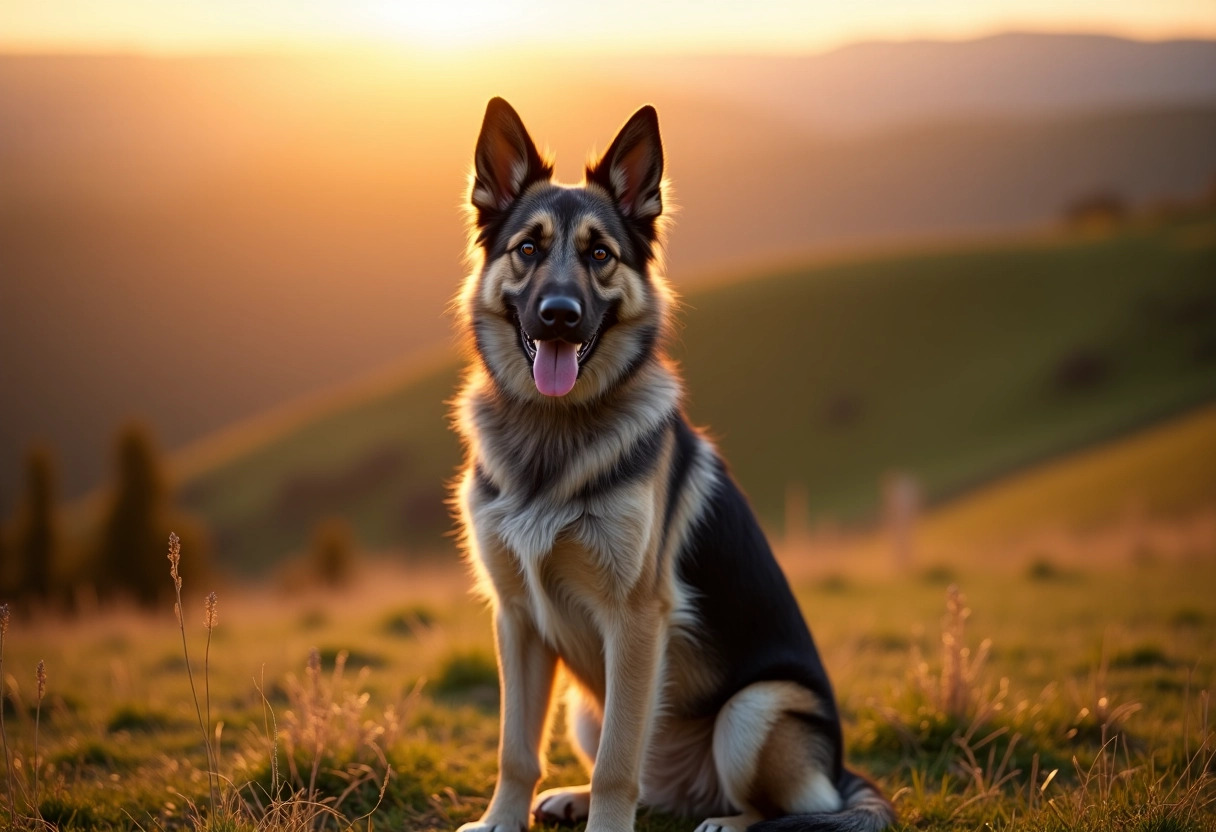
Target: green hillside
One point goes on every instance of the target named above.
(1168, 469)
(956, 366)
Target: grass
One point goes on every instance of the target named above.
(1078, 704)
(956, 366)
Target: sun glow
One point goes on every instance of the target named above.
(671, 26)
(451, 23)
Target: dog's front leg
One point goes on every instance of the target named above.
(526, 668)
(633, 655)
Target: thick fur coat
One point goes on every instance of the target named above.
(607, 533)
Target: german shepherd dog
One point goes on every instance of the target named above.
(607, 532)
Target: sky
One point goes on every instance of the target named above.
(670, 26)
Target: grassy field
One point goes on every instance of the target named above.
(956, 366)
(1079, 698)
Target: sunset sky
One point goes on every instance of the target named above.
(642, 25)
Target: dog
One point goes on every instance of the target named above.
(608, 534)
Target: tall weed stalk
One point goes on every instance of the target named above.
(41, 674)
(175, 556)
(8, 759)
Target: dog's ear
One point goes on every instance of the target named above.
(505, 162)
(632, 169)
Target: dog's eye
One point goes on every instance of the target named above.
(527, 248)
(600, 253)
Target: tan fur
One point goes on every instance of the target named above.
(790, 776)
(585, 580)
(790, 772)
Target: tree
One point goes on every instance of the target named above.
(136, 528)
(1100, 209)
(333, 559)
(36, 534)
(7, 575)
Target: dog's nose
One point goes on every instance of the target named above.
(560, 311)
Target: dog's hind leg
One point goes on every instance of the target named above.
(584, 724)
(771, 761)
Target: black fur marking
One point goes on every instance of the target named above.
(543, 462)
(485, 488)
(647, 338)
(631, 466)
(682, 454)
(568, 206)
(528, 352)
(609, 320)
(537, 457)
(753, 629)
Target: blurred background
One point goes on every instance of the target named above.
(927, 251)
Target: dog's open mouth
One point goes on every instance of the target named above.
(556, 363)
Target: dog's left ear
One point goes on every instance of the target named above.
(632, 169)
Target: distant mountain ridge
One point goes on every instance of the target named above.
(874, 85)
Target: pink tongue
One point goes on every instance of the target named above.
(555, 368)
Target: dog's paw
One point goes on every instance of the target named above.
(734, 823)
(569, 805)
(487, 825)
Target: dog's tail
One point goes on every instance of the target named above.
(865, 810)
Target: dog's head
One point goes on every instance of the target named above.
(564, 304)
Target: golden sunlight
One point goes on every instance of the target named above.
(675, 26)
(452, 23)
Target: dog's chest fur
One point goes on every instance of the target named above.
(570, 504)
(576, 561)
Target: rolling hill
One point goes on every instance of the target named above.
(955, 365)
(1166, 469)
(190, 241)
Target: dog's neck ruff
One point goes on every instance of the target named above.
(525, 449)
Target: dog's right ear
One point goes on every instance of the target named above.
(505, 163)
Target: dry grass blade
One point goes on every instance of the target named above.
(8, 758)
(41, 677)
(175, 554)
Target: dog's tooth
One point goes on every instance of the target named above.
(578, 347)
